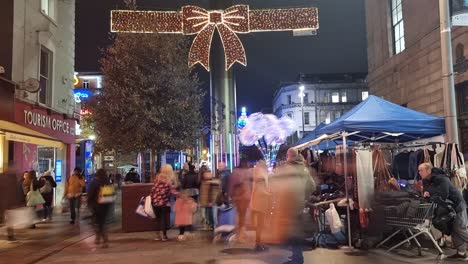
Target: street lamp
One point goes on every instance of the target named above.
(301, 95)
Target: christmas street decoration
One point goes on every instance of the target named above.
(268, 133)
(193, 20)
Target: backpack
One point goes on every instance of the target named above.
(106, 194)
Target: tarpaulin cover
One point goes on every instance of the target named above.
(375, 117)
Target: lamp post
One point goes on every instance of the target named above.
(301, 95)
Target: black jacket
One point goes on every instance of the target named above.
(190, 180)
(440, 186)
(93, 191)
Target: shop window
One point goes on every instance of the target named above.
(335, 97)
(307, 118)
(45, 74)
(398, 31)
(364, 95)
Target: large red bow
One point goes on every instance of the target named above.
(203, 23)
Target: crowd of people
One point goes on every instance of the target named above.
(245, 188)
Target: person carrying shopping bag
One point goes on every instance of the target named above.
(73, 190)
(161, 200)
(47, 191)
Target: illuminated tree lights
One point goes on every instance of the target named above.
(202, 23)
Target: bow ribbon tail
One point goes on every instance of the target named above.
(200, 49)
(233, 47)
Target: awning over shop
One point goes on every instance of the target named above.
(15, 132)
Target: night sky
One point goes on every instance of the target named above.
(273, 57)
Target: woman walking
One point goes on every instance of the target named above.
(101, 195)
(161, 197)
(73, 191)
(47, 191)
(260, 201)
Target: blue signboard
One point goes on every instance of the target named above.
(82, 95)
(58, 171)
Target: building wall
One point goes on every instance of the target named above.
(33, 29)
(413, 77)
(6, 33)
(318, 104)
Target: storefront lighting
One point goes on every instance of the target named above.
(92, 137)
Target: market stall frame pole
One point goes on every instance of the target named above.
(345, 161)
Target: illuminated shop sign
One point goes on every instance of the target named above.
(82, 95)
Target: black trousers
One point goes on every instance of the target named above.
(48, 204)
(101, 212)
(75, 204)
(163, 218)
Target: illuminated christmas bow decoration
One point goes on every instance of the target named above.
(202, 23)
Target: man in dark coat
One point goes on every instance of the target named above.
(132, 176)
(437, 184)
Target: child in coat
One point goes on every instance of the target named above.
(184, 208)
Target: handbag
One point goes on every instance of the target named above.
(149, 207)
(47, 188)
(140, 210)
(34, 198)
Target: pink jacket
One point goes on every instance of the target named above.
(184, 209)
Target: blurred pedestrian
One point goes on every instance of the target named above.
(240, 189)
(132, 176)
(184, 208)
(209, 190)
(190, 183)
(73, 191)
(223, 175)
(101, 195)
(47, 191)
(292, 186)
(161, 200)
(30, 183)
(260, 202)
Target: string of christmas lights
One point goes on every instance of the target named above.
(193, 20)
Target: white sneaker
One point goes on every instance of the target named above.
(180, 238)
(157, 238)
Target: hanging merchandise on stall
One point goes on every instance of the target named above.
(376, 120)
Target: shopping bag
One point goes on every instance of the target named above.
(333, 219)
(149, 207)
(140, 210)
(34, 198)
(65, 204)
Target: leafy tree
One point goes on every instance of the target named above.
(150, 99)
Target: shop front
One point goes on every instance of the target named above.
(39, 139)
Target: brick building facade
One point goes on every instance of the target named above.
(404, 57)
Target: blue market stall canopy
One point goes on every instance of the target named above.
(376, 119)
(324, 144)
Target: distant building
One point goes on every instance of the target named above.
(326, 97)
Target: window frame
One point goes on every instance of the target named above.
(362, 95)
(397, 26)
(48, 77)
(337, 97)
(306, 118)
(48, 8)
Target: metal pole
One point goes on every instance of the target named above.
(348, 213)
(302, 109)
(450, 112)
